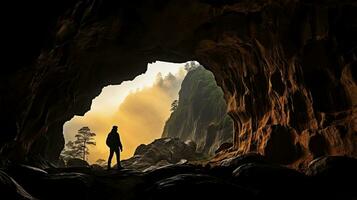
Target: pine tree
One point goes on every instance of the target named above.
(79, 148)
(84, 138)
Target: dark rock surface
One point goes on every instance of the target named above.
(224, 146)
(273, 181)
(239, 160)
(281, 146)
(76, 162)
(250, 180)
(10, 189)
(331, 173)
(333, 166)
(196, 186)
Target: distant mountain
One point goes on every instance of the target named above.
(200, 114)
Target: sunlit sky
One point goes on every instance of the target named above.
(138, 107)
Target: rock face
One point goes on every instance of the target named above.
(161, 152)
(201, 113)
(289, 64)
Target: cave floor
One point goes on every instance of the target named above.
(181, 181)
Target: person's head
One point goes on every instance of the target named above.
(115, 128)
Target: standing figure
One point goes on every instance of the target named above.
(114, 143)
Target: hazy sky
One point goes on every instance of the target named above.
(139, 108)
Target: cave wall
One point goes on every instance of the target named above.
(287, 68)
(288, 80)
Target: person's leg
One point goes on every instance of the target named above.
(110, 157)
(117, 154)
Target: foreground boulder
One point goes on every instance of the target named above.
(70, 185)
(10, 189)
(28, 177)
(237, 161)
(334, 176)
(55, 183)
(227, 166)
(76, 162)
(272, 181)
(172, 170)
(196, 186)
(252, 179)
(333, 166)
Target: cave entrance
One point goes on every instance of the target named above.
(169, 100)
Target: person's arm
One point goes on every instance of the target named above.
(120, 145)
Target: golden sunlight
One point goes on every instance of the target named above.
(139, 108)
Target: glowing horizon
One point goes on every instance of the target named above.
(139, 107)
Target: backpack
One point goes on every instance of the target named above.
(110, 140)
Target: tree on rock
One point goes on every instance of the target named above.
(79, 148)
(174, 105)
(190, 66)
(70, 151)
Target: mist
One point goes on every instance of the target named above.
(140, 116)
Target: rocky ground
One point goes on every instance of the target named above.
(161, 152)
(247, 176)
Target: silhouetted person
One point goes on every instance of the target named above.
(113, 142)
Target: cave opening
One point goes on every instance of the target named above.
(169, 100)
(287, 69)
